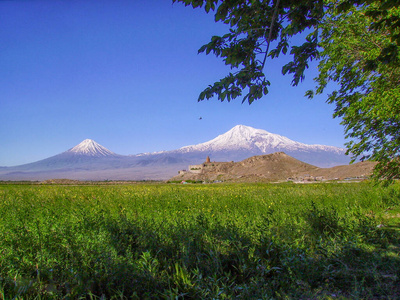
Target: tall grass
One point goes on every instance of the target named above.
(243, 241)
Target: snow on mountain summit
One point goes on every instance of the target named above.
(91, 148)
(242, 136)
(249, 138)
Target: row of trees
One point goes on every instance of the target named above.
(356, 43)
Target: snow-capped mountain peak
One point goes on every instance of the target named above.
(91, 148)
(259, 141)
(246, 137)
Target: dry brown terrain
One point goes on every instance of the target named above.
(274, 167)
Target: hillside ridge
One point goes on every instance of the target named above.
(273, 167)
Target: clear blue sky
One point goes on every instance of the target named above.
(127, 74)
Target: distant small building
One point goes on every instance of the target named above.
(208, 159)
(196, 169)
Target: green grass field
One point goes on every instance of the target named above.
(220, 241)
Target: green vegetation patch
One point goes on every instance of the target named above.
(160, 241)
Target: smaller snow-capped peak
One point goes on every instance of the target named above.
(91, 148)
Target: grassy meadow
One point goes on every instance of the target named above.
(216, 241)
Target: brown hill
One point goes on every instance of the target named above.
(357, 170)
(271, 168)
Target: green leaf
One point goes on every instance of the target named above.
(309, 94)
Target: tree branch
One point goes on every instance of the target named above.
(270, 33)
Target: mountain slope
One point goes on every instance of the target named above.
(85, 155)
(244, 141)
(245, 137)
(91, 161)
